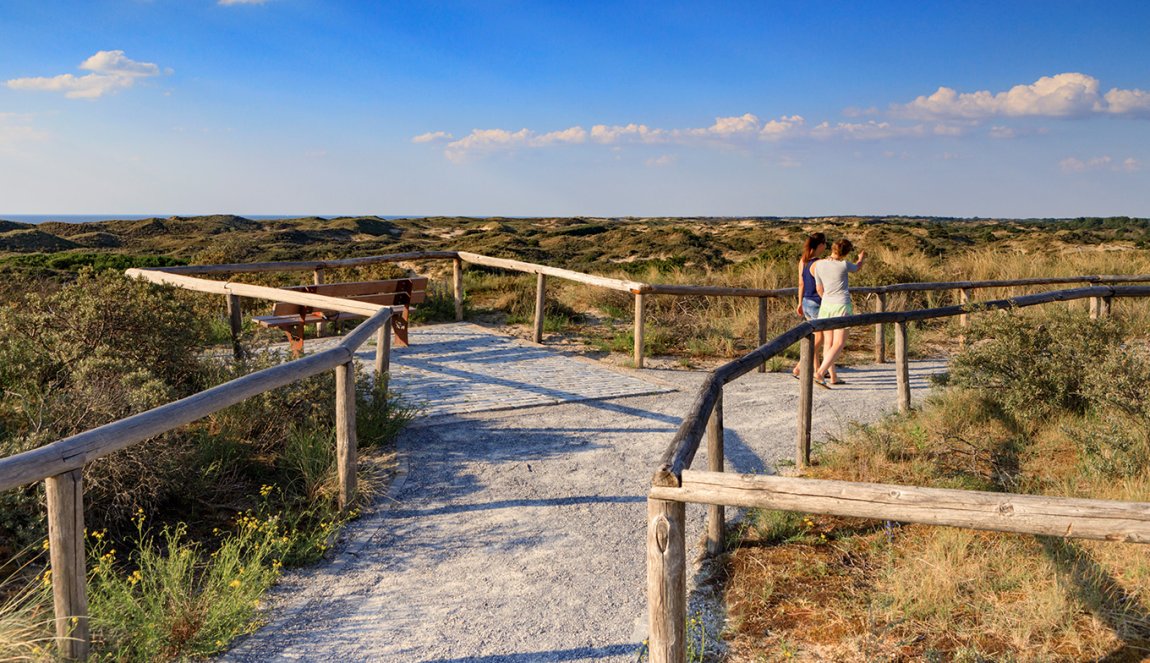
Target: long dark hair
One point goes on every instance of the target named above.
(812, 245)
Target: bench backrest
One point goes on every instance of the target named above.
(386, 293)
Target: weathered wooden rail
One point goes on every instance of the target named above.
(674, 484)
(640, 291)
(60, 464)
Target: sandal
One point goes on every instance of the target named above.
(838, 381)
(822, 382)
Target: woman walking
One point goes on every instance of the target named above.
(831, 282)
(809, 299)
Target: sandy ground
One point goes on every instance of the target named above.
(519, 535)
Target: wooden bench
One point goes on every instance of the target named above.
(292, 318)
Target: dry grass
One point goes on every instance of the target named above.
(819, 588)
(27, 624)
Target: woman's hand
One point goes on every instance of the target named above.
(799, 310)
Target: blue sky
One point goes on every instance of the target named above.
(1023, 108)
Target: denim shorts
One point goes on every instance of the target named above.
(810, 309)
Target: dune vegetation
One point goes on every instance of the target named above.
(212, 512)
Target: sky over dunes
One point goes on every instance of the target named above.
(757, 108)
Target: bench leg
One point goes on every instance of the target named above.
(295, 338)
(399, 324)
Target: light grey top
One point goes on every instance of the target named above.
(832, 276)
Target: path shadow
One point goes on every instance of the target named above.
(506, 504)
(581, 653)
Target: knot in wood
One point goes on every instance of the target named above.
(662, 533)
(1005, 509)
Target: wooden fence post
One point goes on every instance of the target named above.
(1095, 307)
(322, 328)
(1105, 308)
(382, 351)
(540, 303)
(902, 367)
(65, 494)
(806, 399)
(666, 582)
(457, 282)
(963, 300)
(716, 514)
(880, 330)
(235, 320)
(639, 314)
(345, 442)
(762, 329)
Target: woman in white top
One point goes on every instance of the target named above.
(831, 281)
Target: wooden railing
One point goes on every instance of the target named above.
(639, 290)
(674, 484)
(60, 464)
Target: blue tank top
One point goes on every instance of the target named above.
(809, 290)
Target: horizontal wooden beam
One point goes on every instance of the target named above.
(1104, 520)
(76, 451)
(723, 291)
(256, 292)
(718, 291)
(531, 268)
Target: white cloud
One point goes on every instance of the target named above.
(661, 160)
(573, 136)
(432, 137)
(641, 133)
(1128, 102)
(1105, 163)
(1066, 95)
(946, 113)
(111, 71)
(782, 127)
(15, 128)
(871, 130)
(744, 128)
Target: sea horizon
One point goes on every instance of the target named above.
(36, 219)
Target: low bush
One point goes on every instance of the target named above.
(1035, 365)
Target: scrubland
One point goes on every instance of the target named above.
(186, 531)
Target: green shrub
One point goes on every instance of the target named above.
(1115, 438)
(178, 602)
(1035, 365)
(89, 353)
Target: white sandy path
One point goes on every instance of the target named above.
(518, 536)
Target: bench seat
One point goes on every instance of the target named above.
(293, 318)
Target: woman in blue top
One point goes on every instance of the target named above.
(809, 299)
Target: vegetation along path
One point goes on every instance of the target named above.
(516, 535)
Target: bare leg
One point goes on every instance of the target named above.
(818, 349)
(835, 341)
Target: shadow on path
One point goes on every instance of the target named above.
(588, 653)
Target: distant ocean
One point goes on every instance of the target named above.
(85, 218)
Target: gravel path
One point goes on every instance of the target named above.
(518, 535)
